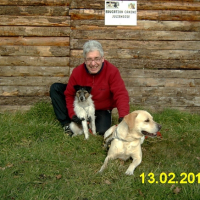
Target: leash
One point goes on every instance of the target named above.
(90, 130)
(118, 138)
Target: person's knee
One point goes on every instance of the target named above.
(103, 121)
(57, 88)
(102, 130)
(53, 88)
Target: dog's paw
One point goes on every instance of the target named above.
(101, 170)
(86, 137)
(129, 172)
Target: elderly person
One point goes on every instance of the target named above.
(108, 89)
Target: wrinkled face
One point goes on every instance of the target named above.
(82, 94)
(145, 124)
(94, 62)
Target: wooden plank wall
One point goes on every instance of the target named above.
(159, 59)
(34, 49)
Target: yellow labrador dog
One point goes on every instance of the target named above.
(127, 137)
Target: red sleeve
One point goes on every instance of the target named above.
(120, 94)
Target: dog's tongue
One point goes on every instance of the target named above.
(158, 134)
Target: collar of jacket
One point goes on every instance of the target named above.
(97, 72)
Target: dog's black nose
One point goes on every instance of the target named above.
(81, 98)
(159, 126)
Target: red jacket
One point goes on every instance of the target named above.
(108, 89)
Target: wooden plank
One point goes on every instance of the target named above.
(16, 86)
(185, 92)
(47, 51)
(146, 73)
(132, 44)
(155, 64)
(77, 14)
(35, 2)
(146, 54)
(8, 71)
(30, 81)
(34, 31)
(33, 61)
(165, 15)
(141, 25)
(144, 63)
(165, 102)
(97, 4)
(142, 5)
(11, 91)
(110, 33)
(34, 41)
(161, 82)
(19, 101)
(34, 21)
(167, 5)
(34, 10)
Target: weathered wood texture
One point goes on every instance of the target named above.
(34, 50)
(159, 59)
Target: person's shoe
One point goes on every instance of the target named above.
(67, 130)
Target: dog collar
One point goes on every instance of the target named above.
(118, 138)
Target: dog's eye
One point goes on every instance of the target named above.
(147, 120)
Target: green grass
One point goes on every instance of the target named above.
(38, 161)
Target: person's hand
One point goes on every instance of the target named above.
(77, 120)
(120, 119)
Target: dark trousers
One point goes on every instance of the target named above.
(103, 117)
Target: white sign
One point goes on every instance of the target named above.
(120, 12)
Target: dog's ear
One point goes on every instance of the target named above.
(88, 88)
(77, 87)
(130, 120)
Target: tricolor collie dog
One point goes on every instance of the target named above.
(85, 110)
(127, 137)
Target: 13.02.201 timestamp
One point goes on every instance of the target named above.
(170, 178)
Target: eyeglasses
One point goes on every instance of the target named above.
(96, 60)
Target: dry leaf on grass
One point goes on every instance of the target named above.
(172, 187)
(177, 190)
(107, 182)
(140, 192)
(9, 165)
(59, 176)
